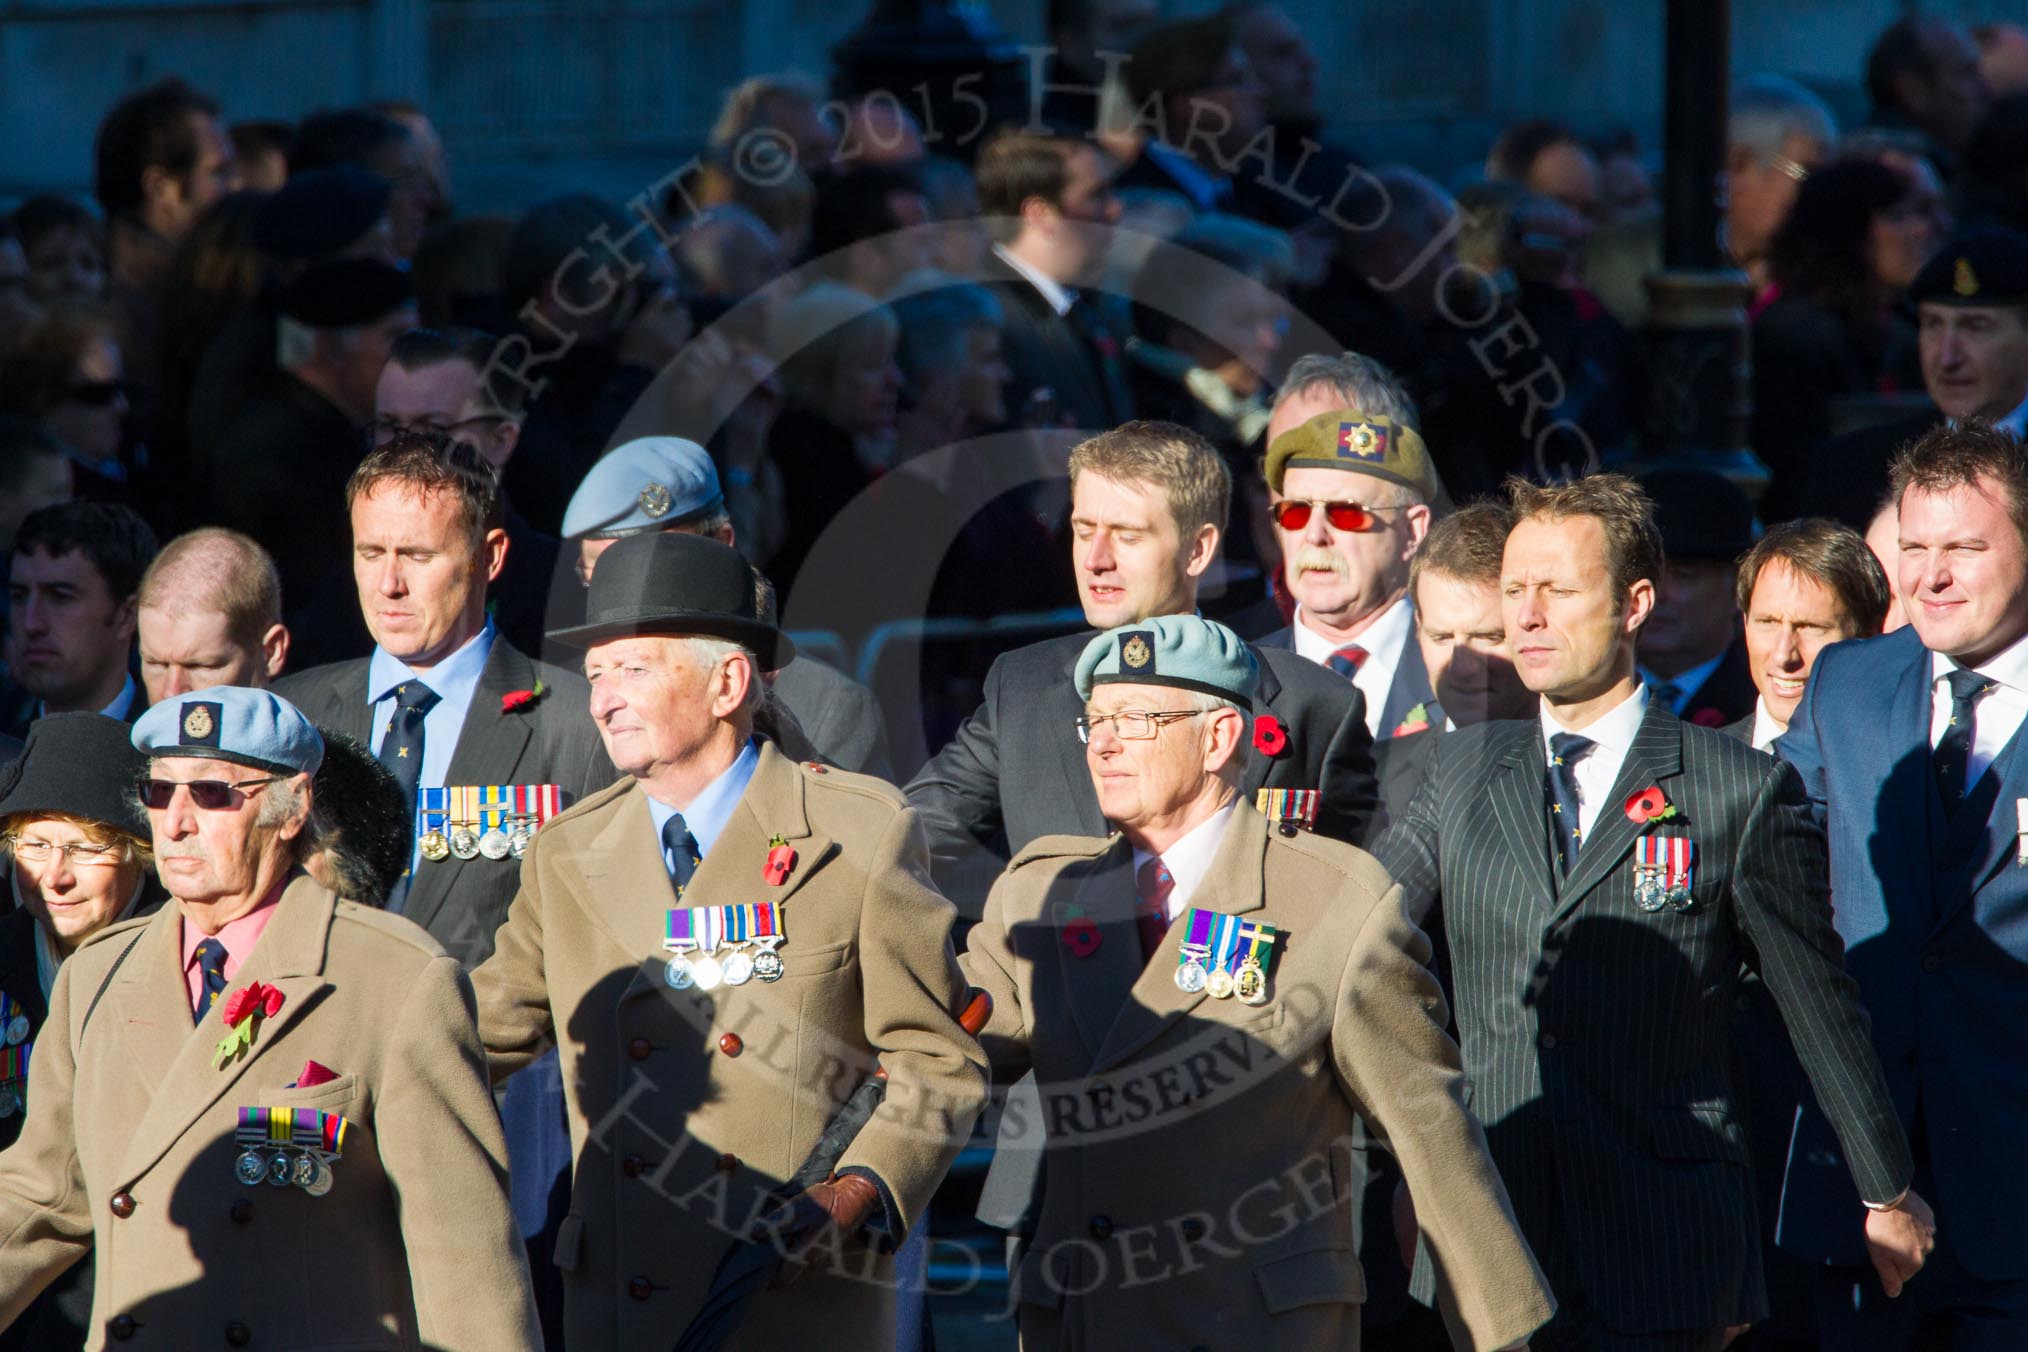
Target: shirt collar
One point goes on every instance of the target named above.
(1688, 681)
(122, 702)
(2009, 666)
(1060, 297)
(711, 809)
(1765, 729)
(455, 679)
(1383, 638)
(1612, 733)
(1188, 858)
(238, 936)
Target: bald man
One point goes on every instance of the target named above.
(210, 614)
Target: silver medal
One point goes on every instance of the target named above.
(708, 973)
(519, 837)
(320, 1178)
(464, 842)
(279, 1168)
(1649, 894)
(1191, 976)
(494, 844)
(679, 973)
(17, 1030)
(251, 1167)
(738, 968)
(10, 1101)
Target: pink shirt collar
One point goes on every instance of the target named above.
(239, 937)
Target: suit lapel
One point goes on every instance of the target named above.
(1409, 687)
(1233, 886)
(1259, 767)
(1060, 729)
(1515, 796)
(176, 1059)
(1655, 756)
(489, 750)
(1989, 839)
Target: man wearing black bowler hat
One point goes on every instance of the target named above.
(722, 947)
(1693, 657)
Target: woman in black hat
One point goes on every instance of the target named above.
(78, 860)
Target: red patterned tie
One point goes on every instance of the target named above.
(1347, 660)
(1153, 882)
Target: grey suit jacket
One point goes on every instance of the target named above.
(1598, 1036)
(552, 741)
(1409, 688)
(839, 716)
(1016, 770)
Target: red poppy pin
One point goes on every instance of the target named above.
(243, 1012)
(1414, 721)
(1649, 805)
(1082, 937)
(1708, 718)
(1270, 738)
(522, 699)
(781, 858)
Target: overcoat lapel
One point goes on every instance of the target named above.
(1233, 886)
(1100, 983)
(174, 1058)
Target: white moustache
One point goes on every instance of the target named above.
(1316, 559)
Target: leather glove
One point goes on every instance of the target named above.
(837, 1207)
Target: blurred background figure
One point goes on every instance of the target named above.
(1923, 75)
(65, 250)
(262, 149)
(67, 372)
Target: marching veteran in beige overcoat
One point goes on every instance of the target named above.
(724, 946)
(1207, 1004)
(264, 1108)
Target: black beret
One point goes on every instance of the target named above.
(319, 213)
(1979, 267)
(344, 293)
(1180, 57)
(1701, 513)
(81, 765)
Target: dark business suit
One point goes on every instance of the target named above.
(839, 716)
(1409, 688)
(1598, 1036)
(1016, 770)
(1848, 473)
(1076, 356)
(1934, 914)
(1727, 694)
(461, 902)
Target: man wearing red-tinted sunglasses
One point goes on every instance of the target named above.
(1351, 504)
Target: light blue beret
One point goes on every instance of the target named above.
(232, 723)
(1183, 651)
(650, 483)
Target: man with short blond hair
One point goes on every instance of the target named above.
(1606, 872)
(210, 614)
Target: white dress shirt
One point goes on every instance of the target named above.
(1595, 772)
(1765, 729)
(1997, 715)
(1383, 641)
(1189, 859)
(1060, 297)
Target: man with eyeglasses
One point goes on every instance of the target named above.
(440, 383)
(259, 1070)
(1351, 496)
(1209, 1006)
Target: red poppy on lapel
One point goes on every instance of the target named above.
(781, 859)
(1269, 737)
(1082, 937)
(244, 1009)
(1708, 718)
(522, 699)
(1649, 805)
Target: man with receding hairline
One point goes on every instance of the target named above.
(210, 614)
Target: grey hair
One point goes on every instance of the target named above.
(1769, 109)
(1360, 381)
(279, 801)
(708, 651)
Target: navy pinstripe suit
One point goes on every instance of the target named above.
(1597, 1036)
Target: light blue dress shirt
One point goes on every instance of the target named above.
(456, 681)
(710, 810)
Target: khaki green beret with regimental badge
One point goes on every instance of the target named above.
(1345, 438)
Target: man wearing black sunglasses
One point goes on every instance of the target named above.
(1352, 496)
(259, 997)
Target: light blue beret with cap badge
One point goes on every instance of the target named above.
(650, 483)
(232, 723)
(1183, 651)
